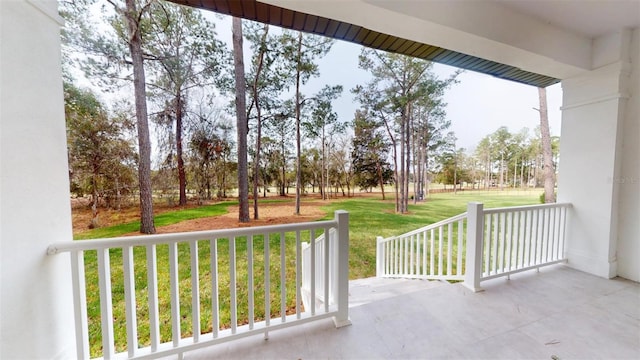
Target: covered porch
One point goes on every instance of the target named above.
(577, 310)
(558, 312)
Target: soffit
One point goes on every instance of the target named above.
(290, 19)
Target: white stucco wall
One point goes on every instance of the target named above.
(628, 251)
(597, 150)
(36, 309)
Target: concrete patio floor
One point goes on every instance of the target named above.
(558, 313)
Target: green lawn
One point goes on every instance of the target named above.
(369, 217)
(168, 218)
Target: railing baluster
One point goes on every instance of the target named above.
(80, 303)
(425, 246)
(432, 258)
(411, 253)
(215, 295)
(449, 248)
(529, 235)
(487, 244)
(552, 235)
(496, 238)
(537, 233)
(518, 258)
(552, 244)
(546, 239)
(283, 274)
(460, 247)
(513, 253)
(232, 285)
(130, 300)
(418, 252)
(327, 258)
(175, 293)
(404, 255)
(298, 274)
(195, 290)
(250, 281)
(502, 239)
(561, 231)
(152, 297)
(267, 283)
(509, 241)
(312, 242)
(106, 309)
(440, 246)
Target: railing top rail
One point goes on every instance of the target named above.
(141, 240)
(429, 227)
(526, 207)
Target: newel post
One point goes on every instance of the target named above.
(475, 231)
(342, 318)
(379, 257)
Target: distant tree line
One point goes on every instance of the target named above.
(161, 77)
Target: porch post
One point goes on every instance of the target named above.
(475, 230)
(599, 167)
(342, 318)
(379, 257)
(36, 305)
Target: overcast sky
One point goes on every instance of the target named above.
(477, 106)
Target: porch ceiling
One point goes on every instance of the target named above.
(290, 19)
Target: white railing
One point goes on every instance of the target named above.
(521, 238)
(215, 286)
(319, 275)
(432, 252)
(504, 241)
(478, 245)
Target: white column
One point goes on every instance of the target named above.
(36, 296)
(342, 318)
(475, 237)
(591, 151)
(629, 182)
(380, 257)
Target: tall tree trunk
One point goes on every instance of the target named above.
(94, 201)
(380, 178)
(408, 159)
(284, 170)
(323, 192)
(256, 101)
(394, 147)
(402, 162)
(242, 125)
(502, 171)
(144, 144)
(298, 148)
(549, 181)
(182, 177)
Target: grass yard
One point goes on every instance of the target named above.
(369, 217)
(167, 218)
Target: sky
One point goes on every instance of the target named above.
(477, 106)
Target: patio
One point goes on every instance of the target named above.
(558, 312)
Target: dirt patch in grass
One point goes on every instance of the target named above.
(271, 213)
